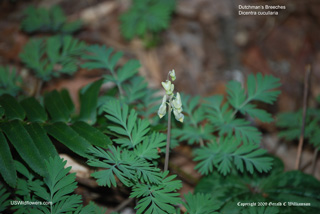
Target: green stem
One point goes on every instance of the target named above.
(166, 162)
(117, 83)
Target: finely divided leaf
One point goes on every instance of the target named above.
(59, 184)
(123, 164)
(9, 81)
(200, 204)
(4, 196)
(157, 198)
(259, 88)
(262, 88)
(100, 57)
(148, 149)
(229, 152)
(127, 125)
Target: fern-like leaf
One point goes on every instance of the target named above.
(32, 55)
(121, 163)
(223, 120)
(221, 155)
(146, 16)
(58, 186)
(193, 131)
(104, 58)
(47, 20)
(52, 57)
(261, 210)
(157, 198)
(290, 124)
(200, 204)
(242, 130)
(127, 125)
(101, 57)
(259, 88)
(9, 81)
(136, 89)
(149, 148)
(4, 195)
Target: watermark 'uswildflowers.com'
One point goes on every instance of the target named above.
(30, 203)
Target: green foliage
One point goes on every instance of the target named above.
(52, 57)
(200, 204)
(275, 186)
(7, 168)
(128, 167)
(51, 20)
(127, 125)
(157, 198)
(56, 187)
(130, 88)
(193, 129)
(9, 81)
(130, 161)
(104, 58)
(88, 100)
(146, 16)
(259, 88)
(3, 198)
(291, 122)
(28, 124)
(260, 210)
(148, 148)
(231, 139)
(227, 151)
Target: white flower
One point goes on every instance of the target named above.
(168, 86)
(178, 115)
(177, 104)
(172, 74)
(163, 108)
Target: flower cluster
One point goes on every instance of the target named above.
(174, 101)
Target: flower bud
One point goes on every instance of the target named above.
(172, 74)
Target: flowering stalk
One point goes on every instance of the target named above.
(175, 104)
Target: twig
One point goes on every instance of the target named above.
(39, 87)
(123, 204)
(304, 111)
(314, 161)
(166, 162)
(201, 142)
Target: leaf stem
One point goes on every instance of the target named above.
(304, 112)
(166, 162)
(117, 82)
